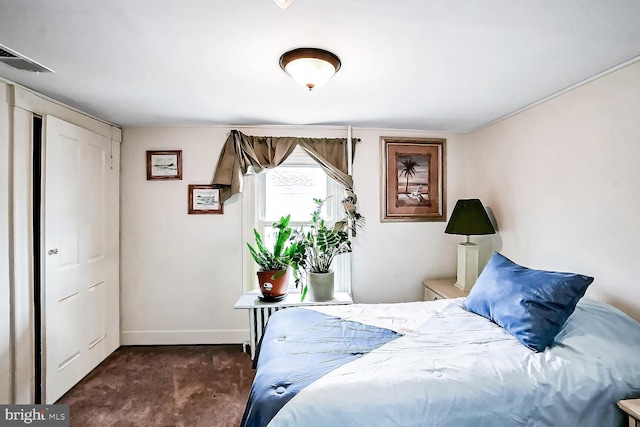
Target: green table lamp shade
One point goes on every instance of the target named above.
(469, 218)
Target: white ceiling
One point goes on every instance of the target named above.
(447, 65)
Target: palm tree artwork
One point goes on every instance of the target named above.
(413, 176)
(408, 170)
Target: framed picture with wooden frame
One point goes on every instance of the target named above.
(164, 165)
(413, 179)
(204, 199)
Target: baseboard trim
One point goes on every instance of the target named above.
(215, 336)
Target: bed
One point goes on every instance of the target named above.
(438, 364)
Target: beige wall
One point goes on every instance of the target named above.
(181, 274)
(563, 180)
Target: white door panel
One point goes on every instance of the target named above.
(97, 321)
(80, 278)
(95, 161)
(66, 353)
(63, 221)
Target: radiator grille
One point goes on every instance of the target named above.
(258, 318)
(6, 54)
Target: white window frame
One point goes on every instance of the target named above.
(253, 204)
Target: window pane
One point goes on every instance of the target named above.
(270, 232)
(291, 190)
(269, 237)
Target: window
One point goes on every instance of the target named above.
(290, 189)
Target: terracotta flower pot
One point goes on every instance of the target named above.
(273, 284)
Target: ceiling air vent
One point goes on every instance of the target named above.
(21, 62)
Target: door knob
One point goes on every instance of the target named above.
(53, 251)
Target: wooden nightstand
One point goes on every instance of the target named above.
(435, 289)
(632, 408)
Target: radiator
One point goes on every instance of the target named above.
(258, 317)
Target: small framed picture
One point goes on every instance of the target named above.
(164, 164)
(413, 179)
(204, 199)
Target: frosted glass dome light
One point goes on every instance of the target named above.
(283, 4)
(310, 67)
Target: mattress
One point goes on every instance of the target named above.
(436, 364)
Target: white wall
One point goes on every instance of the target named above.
(5, 337)
(563, 179)
(181, 274)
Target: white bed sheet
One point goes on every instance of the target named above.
(454, 368)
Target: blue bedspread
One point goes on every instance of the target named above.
(298, 348)
(443, 366)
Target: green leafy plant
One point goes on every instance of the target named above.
(316, 247)
(283, 249)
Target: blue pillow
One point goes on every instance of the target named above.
(532, 305)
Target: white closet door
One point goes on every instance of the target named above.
(81, 290)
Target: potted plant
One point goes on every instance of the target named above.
(273, 264)
(314, 251)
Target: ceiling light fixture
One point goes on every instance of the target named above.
(310, 67)
(283, 4)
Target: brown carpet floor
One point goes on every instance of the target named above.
(187, 386)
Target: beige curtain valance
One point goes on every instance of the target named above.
(243, 153)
